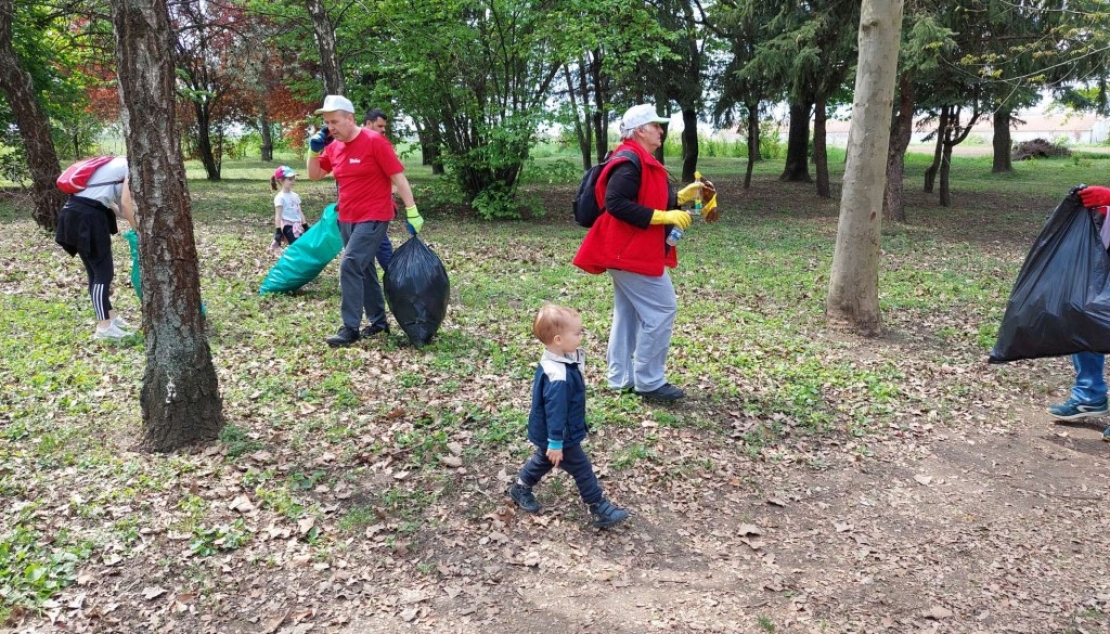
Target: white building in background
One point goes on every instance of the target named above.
(1070, 128)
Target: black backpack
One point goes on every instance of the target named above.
(586, 211)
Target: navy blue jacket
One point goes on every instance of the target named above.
(558, 415)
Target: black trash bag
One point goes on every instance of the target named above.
(1060, 303)
(417, 290)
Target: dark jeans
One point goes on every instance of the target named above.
(575, 462)
(359, 289)
(385, 253)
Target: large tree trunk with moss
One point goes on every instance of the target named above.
(1003, 162)
(34, 126)
(820, 151)
(180, 397)
(901, 131)
(854, 276)
(797, 145)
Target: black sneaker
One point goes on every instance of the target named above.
(370, 331)
(345, 337)
(606, 515)
(666, 393)
(523, 497)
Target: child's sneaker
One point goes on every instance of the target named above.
(120, 323)
(523, 497)
(606, 515)
(1073, 409)
(111, 332)
(1106, 434)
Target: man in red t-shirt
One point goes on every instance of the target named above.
(366, 169)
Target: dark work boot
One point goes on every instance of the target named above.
(370, 331)
(523, 497)
(344, 337)
(606, 515)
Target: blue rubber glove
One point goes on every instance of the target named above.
(320, 140)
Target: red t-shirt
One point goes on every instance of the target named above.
(362, 169)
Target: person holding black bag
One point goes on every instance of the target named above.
(1088, 394)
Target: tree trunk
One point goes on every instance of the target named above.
(753, 144)
(324, 30)
(797, 145)
(204, 143)
(266, 131)
(820, 152)
(430, 143)
(34, 126)
(942, 129)
(1002, 145)
(180, 397)
(854, 276)
(901, 131)
(582, 133)
(689, 144)
(945, 168)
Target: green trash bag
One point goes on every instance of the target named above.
(303, 260)
(136, 279)
(136, 276)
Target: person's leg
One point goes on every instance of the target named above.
(1088, 395)
(369, 235)
(100, 270)
(577, 464)
(1090, 385)
(385, 252)
(655, 305)
(530, 474)
(622, 335)
(287, 231)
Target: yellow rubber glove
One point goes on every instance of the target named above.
(689, 193)
(676, 217)
(416, 221)
(710, 211)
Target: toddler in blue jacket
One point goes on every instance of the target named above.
(557, 420)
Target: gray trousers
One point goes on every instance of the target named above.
(644, 309)
(358, 278)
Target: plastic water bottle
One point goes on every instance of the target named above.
(676, 234)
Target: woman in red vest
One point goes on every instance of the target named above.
(628, 241)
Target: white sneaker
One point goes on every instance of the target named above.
(120, 323)
(111, 332)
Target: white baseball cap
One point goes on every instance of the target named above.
(637, 116)
(336, 103)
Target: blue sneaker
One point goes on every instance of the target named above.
(1072, 409)
(1106, 434)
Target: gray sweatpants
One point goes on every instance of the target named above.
(644, 310)
(358, 278)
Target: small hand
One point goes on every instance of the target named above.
(555, 456)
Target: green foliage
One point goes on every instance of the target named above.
(227, 537)
(32, 570)
(237, 441)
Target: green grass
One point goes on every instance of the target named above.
(749, 342)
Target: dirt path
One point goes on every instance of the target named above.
(990, 528)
